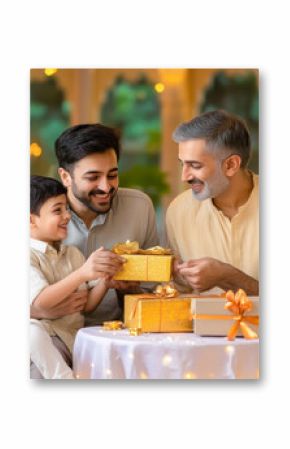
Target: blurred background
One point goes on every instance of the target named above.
(146, 105)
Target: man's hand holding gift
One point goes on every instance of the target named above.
(206, 273)
(201, 274)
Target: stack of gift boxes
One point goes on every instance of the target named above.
(165, 310)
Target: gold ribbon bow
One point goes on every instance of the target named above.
(133, 248)
(238, 304)
(165, 291)
(161, 292)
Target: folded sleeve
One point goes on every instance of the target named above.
(38, 282)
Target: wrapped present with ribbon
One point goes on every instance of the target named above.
(235, 315)
(152, 264)
(161, 311)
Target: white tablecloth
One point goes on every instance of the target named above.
(101, 354)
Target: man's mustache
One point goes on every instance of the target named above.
(101, 192)
(195, 181)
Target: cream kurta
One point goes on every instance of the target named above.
(198, 229)
(48, 266)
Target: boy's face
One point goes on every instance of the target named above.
(51, 223)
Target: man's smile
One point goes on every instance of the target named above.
(196, 185)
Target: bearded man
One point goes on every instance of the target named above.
(102, 214)
(213, 227)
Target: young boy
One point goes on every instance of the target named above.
(56, 272)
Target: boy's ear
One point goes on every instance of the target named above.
(64, 176)
(32, 219)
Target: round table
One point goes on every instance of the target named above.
(103, 354)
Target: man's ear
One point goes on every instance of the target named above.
(65, 177)
(232, 164)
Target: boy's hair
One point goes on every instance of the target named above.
(41, 189)
(79, 141)
(221, 130)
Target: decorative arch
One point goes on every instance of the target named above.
(239, 94)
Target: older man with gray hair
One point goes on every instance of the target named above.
(213, 227)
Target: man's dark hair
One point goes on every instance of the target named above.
(79, 141)
(221, 130)
(41, 189)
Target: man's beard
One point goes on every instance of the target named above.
(85, 199)
(213, 187)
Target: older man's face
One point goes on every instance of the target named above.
(202, 170)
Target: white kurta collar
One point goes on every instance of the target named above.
(44, 247)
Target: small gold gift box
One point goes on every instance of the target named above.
(211, 318)
(151, 264)
(138, 267)
(150, 313)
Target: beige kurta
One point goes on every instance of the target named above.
(48, 266)
(131, 217)
(198, 229)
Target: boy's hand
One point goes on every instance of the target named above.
(101, 264)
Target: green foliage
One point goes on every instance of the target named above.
(149, 179)
(134, 108)
(49, 116)
(237, 94)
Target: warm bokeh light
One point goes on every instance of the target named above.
(35, 150)
(50, 72)
(173, 77)
(229, 349)
(166, 360)
(189, 375)
(159, 87)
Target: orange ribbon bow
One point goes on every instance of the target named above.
(238, 304)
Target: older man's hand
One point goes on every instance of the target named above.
(201, 274)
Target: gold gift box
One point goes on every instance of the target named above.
(210, 318)
(139, 267)
(152, 314)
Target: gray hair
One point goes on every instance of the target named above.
(221, 131)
